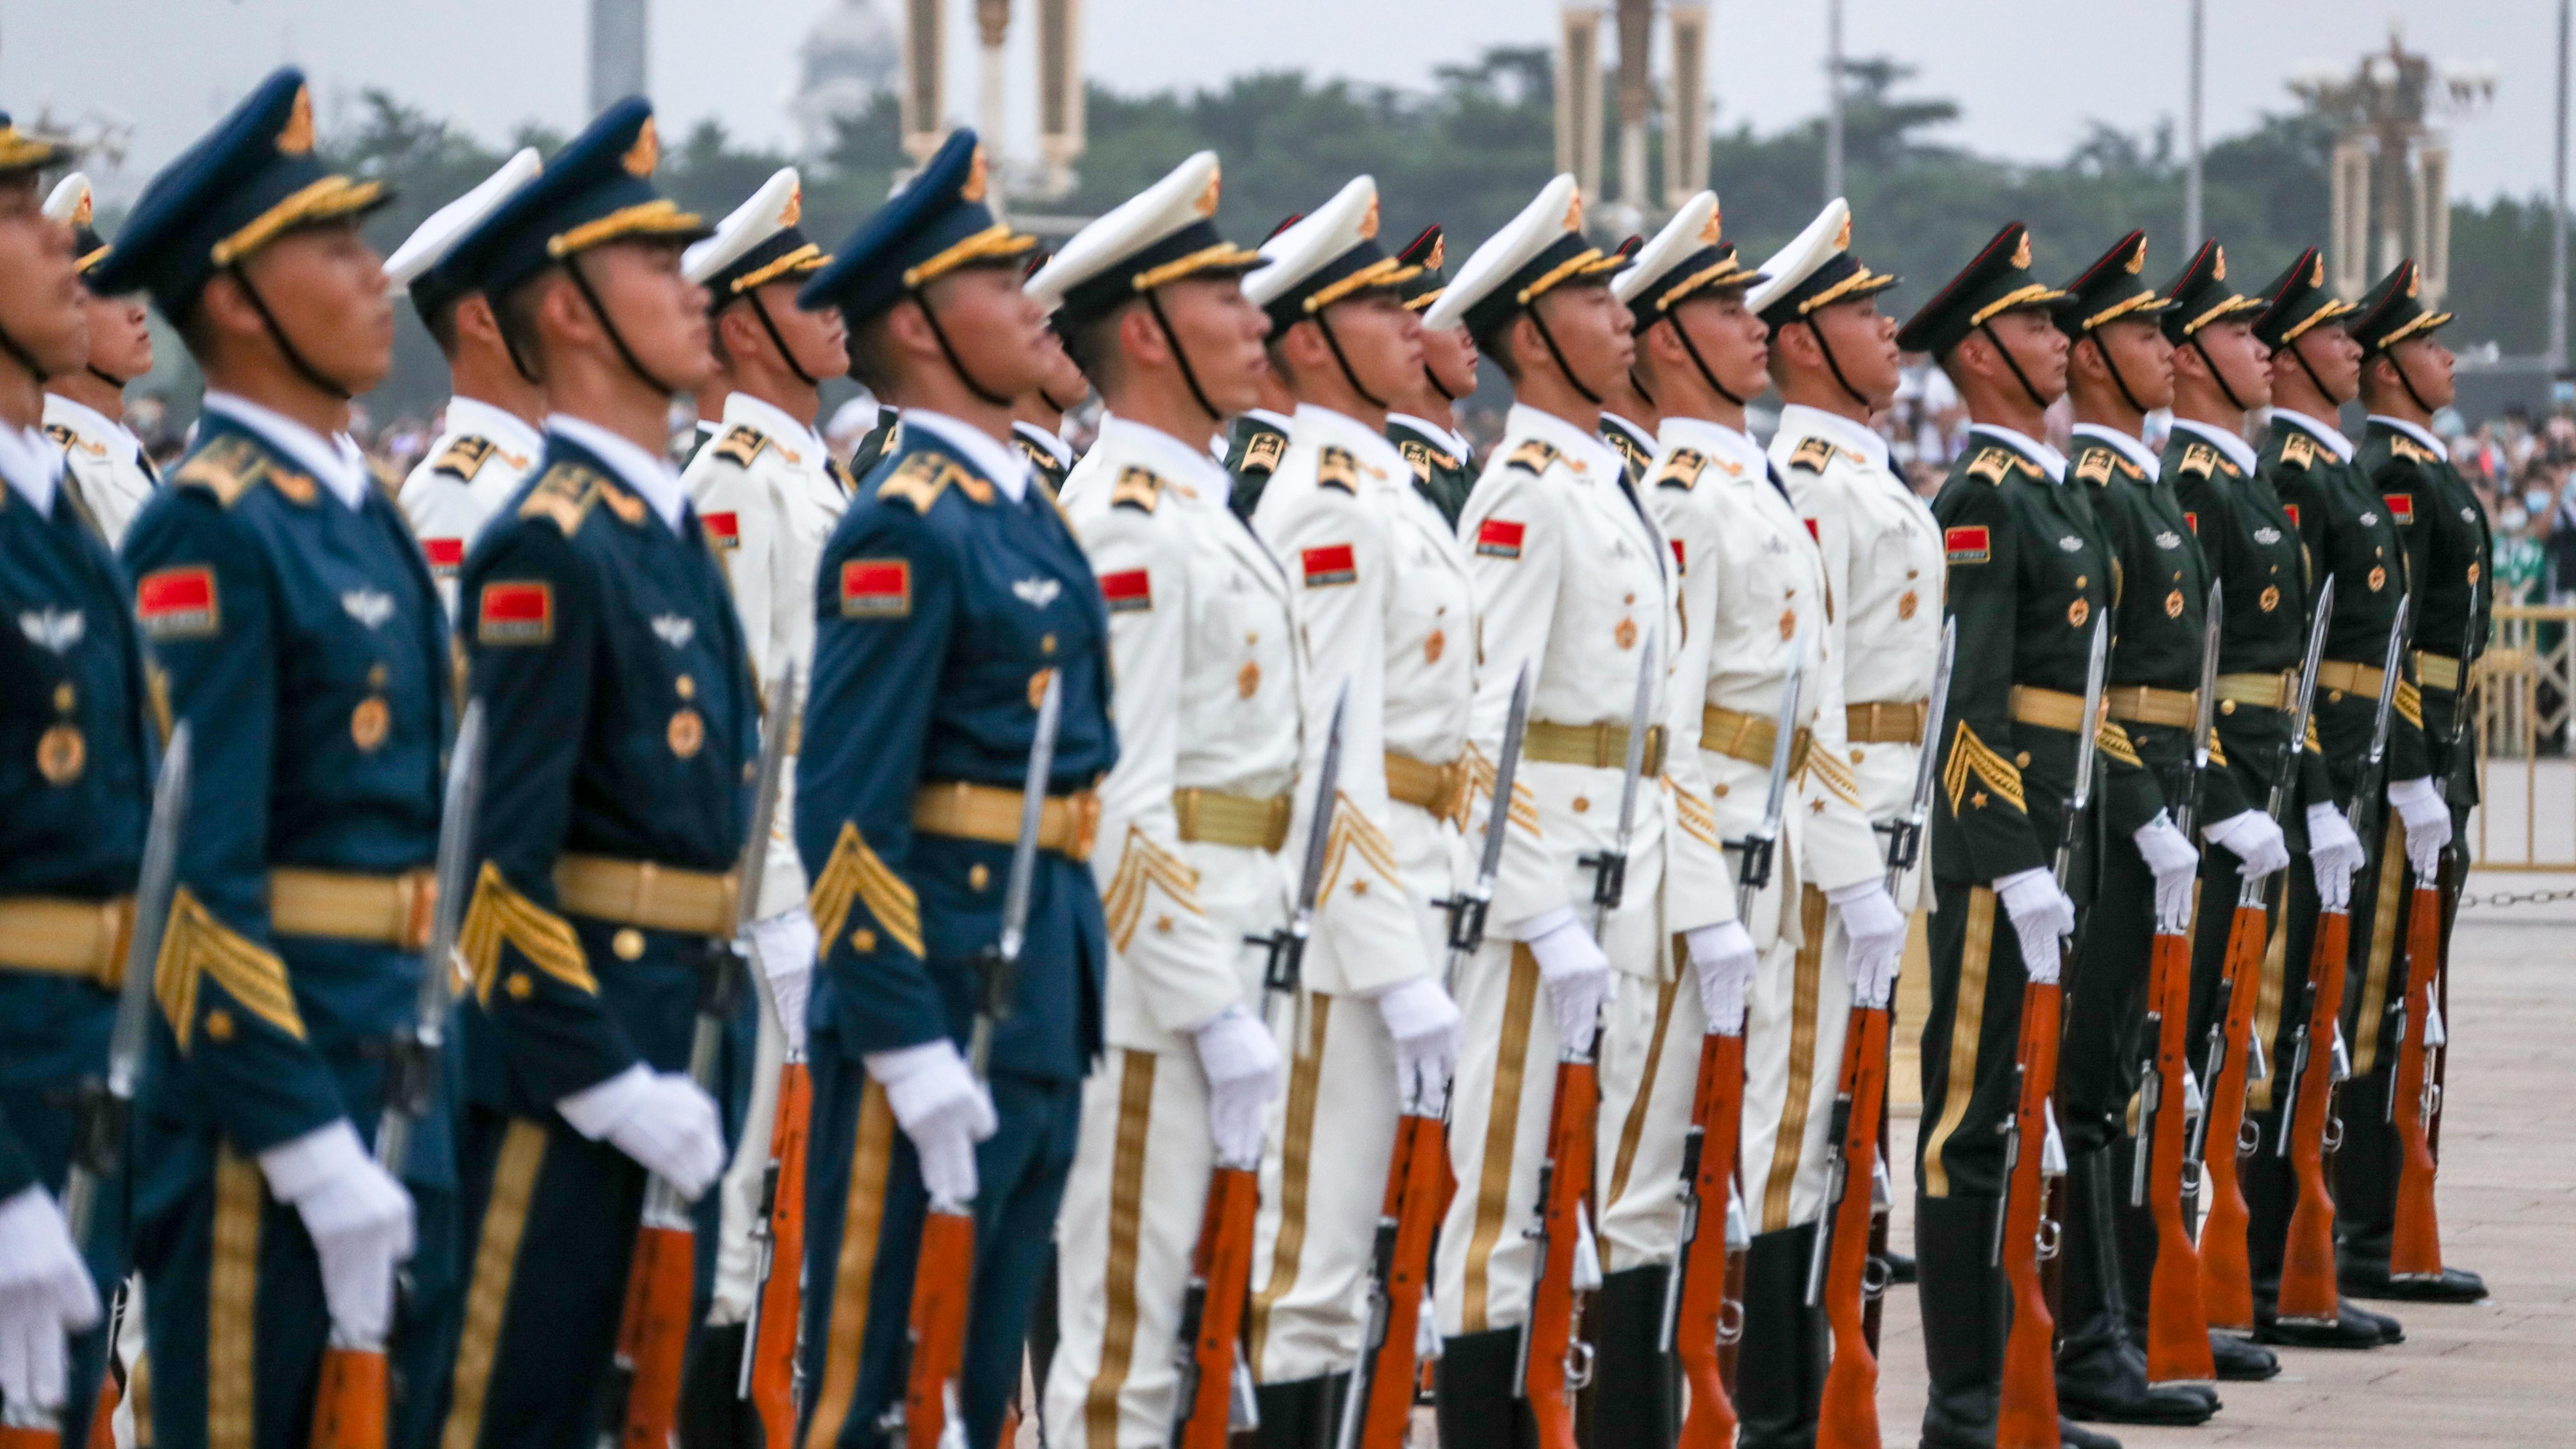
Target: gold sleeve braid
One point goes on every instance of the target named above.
(1696, 817)
(1481, 782)
(197, 946)
(856, 874)
(1839, 781)
(1142, 863)
(2114, 742)
(2410, 703)
(1354, 832)
(498, 913)
(1970, 755)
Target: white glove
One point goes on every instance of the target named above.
(2042, 916)
(2168, 853)
(1242, 1067)
(2253, 839)
(1426, 1027)
(1875, 929)
(360, 1221)
(1576, 974)
(942, 1108)
(2427, 820)
(2334, 853)
(1722, 957)
(784, 946)
(45, 1295)
(661, 1119)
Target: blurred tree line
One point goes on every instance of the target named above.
(1471, 150)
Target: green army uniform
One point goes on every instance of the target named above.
(1254, 444)
(1444, 466)
(1041, 448)
(1634, 445)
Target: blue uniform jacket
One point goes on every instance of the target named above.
(939, 604)
(622, 724)
(304, 641)
(74, 794)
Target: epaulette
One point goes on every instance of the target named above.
(1682, 469)
(1337, 468)
(1991, 465)
(566, 494)
(2298, 450)
(1263, 452)
(2406, 447)
(922, 477)
(228, 468)
(2095, 468)
(1137, 488)
(1626, 447)
(1535, 455)
(1417, 456)
(740, 444)
(1813, 454)
(465, 457)
(2199, 460)
(63, 437)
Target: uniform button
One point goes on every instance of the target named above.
(863, 940)
(1581, 804)
(1632, 598)
(627, 943)
(519, 986)
(2022, 759)
(219, 1024)
(978, 876)
(1856, 757)
(686, 687)
(1913, 573)
(2079, 581)
(377, 675)
(64, 697)
(750, 771)
(1046, 644)
(1252, 636)
(2227, 706)
(2334, 696)
(1163, 924)
(1359, 887)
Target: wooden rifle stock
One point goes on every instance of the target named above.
(2177, 1332)
(2027, 1416)
(2415, 1249)
(943, 1281)
(1212, 1322)
(1847, 1417)
(350, 1404)
(1548, 1375)
(769, 1380)
(2226, 1276)
(1709, 1319)
(653, 1334)
(2308, 1292)
(1415, 1201)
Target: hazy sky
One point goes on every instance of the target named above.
(2030, 74)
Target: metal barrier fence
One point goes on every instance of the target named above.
(2524, 688)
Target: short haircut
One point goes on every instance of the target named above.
(515, 313)
(872, 354)
(1094, 345)
(1495, 343)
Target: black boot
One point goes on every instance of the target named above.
(1476, 1403)
(1297, 1414)
(1780, 1371)
(2361, 1278)
(2101, 1374)
(711, 1415)
(2071, 1435)
(1900, 1266)
(2354, 1327)
(1964, 1318)
(1636, 1393)
(2241, 1360)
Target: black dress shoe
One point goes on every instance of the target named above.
(1900, 1266)
(2390, 1330)
(2352, 1328)
(2110, 1385)
(2242, 1361)
(2071, 1435)
(2371, 1280)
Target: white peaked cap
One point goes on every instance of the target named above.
(430, 243)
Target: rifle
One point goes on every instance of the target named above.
(2234, 1056)
(2415, 1246)
(1377, 1408)
(1552, 1362)
(1699, 1317)
(2027, 1418)
(643, 1386)
(2308, 1292)
(1839, 1274)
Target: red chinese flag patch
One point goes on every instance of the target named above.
(1681, 565)
(724, 530)
(1812, 535)
(178, 603)
(1328, 565)
(2401, 506)
(1967, 545)
(1128, 592)
(1499, 538)
(2291, 509)
(444, 554)
(520, 611)
(2191, 521)
(876, 588)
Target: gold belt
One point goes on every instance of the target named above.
(2350, 677)
(1213, 817)
(1602, 746)
(1886, 724)
(385, 910)
(991, 813)
(2146, 704)
(1440, 789)
(2263, 691)
(1749, 738)
(2437, 671)
(58, 936)
(643, 893)
(2050, 709)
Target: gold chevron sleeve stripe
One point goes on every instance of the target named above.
(1481, 780)
(232, 1304)
(2114, 742)
(197, 946)
(487, 1294)
(1141, 863)
(1971, 756)
(1696, 817)
(1839, 781)
(500, 913)
(2217, 751)
(1355, 832)
(854, 1272)
(856, 874)
(2410, 703)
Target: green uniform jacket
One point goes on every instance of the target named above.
(1444, 477)
(2452, 573)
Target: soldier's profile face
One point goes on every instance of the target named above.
(819, 340)
(1221, 331)
(2427, 364)
(41, 298)
(1735, 343)
(1450, 354)
(2330, 352)
(660, 312)
(2138, 348)
(1591, 328)
(1381, 338)
(1863, 339)
(2036, 344)
(326, 287)
(120, 335)
(2241, 359)
(997, 330)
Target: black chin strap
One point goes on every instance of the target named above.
(1189, 374)
(2015, 364)
(2215, 375)
(607, 324)
(785, 353)
(1834, 365)
(277, 334)
(956, 364)
(111, 379)
(1433, 378)
(2408, 383)
(1587, 394)
(1701, 363)
(23, 358)
(1348, 375)
(1060, 408)
(2328, 398)
(2102, 350)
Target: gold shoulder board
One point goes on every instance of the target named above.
(918, 480)
(227, 468)
(1813, 454)
(1336, 468)
(2095, 468)
(464, 458)
(1992, 465)
(1137, 488)
(2298, 450)
(566, 494)
(1682, 469)
(1535, 455)
(1264, 452)
(740, 445)
(2199, 460)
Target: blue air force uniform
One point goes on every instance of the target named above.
(945, 598)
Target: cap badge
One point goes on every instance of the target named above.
(2138, 257)
(1368, 223)
(2218, 264)
(978, 178)
(2414, 279)
(1206, 204)
(2021, 251)
(794, 210)
(2317, 272)
(297, 138)
(1439, 244)
(1716, 219)
(1842, 238)
(645, 154)
(1574, 211)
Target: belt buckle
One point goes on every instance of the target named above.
(1457, 792)
(416, 897)
(119, 926)
(1085, 806)
(728, 903)
(1282, 807)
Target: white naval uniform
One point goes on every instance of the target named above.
(1206, 656)
(462, 481)
(768, 495)
(1754, 592)
(104, 461)
(1387, 609)
(1572, 577)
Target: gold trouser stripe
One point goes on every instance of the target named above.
(854, 1272)
(2267, 1001)
(487, 1295)
(1967, 1020)
(2146, 704)
(1792, 1138)
(1502, 1123)
(1633, 1130)
(2383, 945)
(2265, 691)
(1296, 1154)
(1126, 1227)
(232, 1304)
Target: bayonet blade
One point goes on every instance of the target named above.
(1033, 795)
(2089, 730)
(777, 725)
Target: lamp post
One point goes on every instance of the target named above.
(2391, 168)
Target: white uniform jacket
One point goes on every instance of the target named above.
(1205, 655)
(105, 461)
(1884, 564)
(462, 481)
(1388, 611)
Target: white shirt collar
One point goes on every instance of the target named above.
(1800, 418)
(33, 466)
(1588, 453)
(2129, 447)
(1276, 420)
(1204, 476)
(507, 430)
(1008, 470)
(90, 423)
(335, 460)
(1715, 437)
(2324, 433)
(2425, 436)
(641, 469)
(2037, 451)
(1448, 437)
(781, 425)
(1630, 426)
(1057, 448)
(2238, 451)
